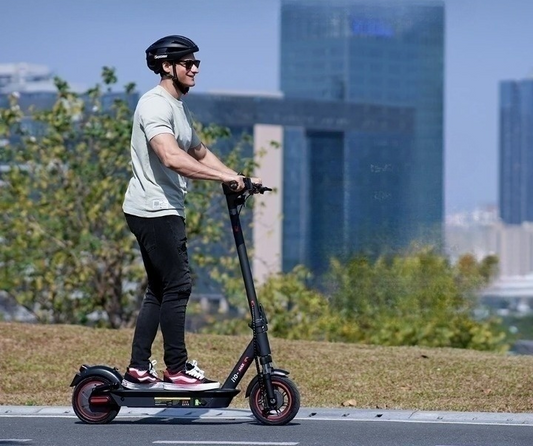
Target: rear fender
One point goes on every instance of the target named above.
(104, 371)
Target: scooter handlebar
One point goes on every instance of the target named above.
(249, 187)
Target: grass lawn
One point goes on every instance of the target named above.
(38, 363)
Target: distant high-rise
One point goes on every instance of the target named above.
(364, 193)
(516, 151)
(25, 77)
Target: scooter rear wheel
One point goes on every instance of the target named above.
(287, 401)
(97, 409)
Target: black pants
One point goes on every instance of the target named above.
(163, 243)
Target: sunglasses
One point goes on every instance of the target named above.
(188, 64)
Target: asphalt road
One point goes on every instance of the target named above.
(59, 427)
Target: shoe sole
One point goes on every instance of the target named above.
(191, 387)
(135, 386)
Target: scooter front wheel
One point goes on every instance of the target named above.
(287, 401)
(93, 409)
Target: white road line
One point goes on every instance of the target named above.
(381, 420)
(230, 443)
(14, 440)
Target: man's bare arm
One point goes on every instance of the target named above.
(203, 155)
(170, 154)
(208, 158)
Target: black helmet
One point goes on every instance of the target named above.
(171, 48)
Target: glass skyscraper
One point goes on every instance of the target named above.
(363, 192)
(319, 218)
(516, 151)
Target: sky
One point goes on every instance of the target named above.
(487, 41)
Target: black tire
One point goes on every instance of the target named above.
(288, 402)
(90, 413)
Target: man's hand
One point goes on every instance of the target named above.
(257, 181)
(238, 179)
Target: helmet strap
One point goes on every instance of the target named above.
(177, 84)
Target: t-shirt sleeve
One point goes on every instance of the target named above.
(155, 116)
(195, 139)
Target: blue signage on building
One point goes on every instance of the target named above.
(371, 28)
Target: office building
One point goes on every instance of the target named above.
(308, 219)
(516, 151)
(481, 233)
(361, 192)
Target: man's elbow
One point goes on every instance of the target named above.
(168, 160)
(198, 152)
(167, 157)
(172, 163)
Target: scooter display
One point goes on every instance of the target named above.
(274, 399)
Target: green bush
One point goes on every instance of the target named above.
(415, 299)
(294, 311)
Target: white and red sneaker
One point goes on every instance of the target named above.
(192, 378)
(142, 379)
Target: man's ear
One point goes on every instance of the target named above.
(167, 67)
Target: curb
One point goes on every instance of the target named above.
(525, 419)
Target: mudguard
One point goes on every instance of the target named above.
(97, 370)
(278, 372)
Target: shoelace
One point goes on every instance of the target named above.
(193, 370)
(151, 368)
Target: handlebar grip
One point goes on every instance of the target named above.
(249, 188)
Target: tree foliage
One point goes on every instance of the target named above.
(417, 298)
(67, 252)
(293, 310)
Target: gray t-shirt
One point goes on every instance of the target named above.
(155, 190)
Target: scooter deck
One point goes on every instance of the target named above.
(172, 398)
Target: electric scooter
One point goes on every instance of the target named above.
(274, 399)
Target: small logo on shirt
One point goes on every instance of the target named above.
(160, 204)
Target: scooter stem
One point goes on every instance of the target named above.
(259, 322)
(262, 351)
(234, 200)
